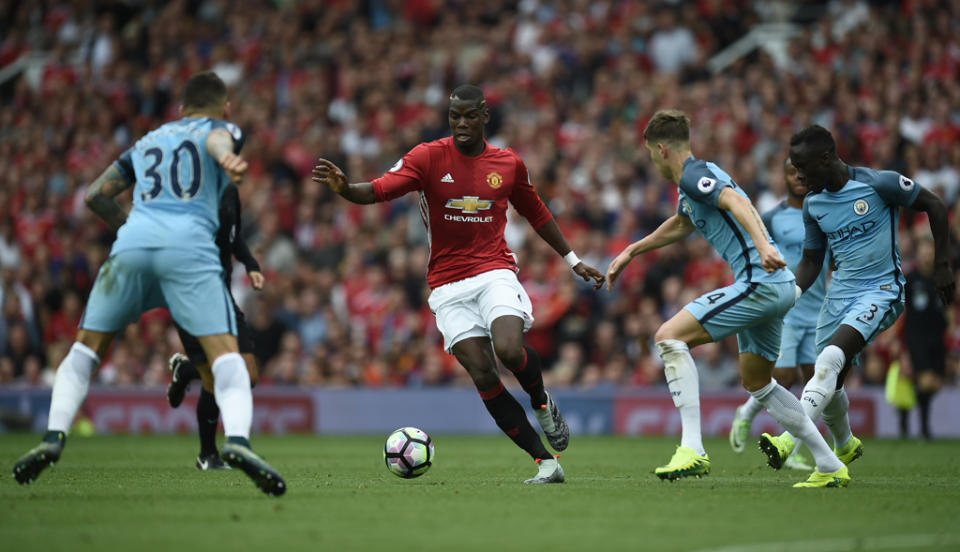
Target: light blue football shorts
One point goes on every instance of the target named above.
(869, 314)
(798, 346)
(754, 311)
(189, 283)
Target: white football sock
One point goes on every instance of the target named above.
(70, 386)
(750, 409)
(835, 416)
(785, 409)
(818, 392)
(231, 389)
(684, 384)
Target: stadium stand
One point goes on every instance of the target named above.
(571, 86)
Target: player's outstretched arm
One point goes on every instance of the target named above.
(673, 229)
(550, 232)
(748, 217)
(808, 269)
(936, 212)
(220, 146)
(329, 174)
(101, 196)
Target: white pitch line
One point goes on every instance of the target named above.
(886, 542)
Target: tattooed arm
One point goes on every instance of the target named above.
(102, 193)
(221, 146)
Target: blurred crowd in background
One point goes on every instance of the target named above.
(570, 85)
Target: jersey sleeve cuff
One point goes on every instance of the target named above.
(124, 171)
(378, 196)
(536, 225)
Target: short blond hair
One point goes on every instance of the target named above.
(670, 126)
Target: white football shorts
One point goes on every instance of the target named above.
(467, 308)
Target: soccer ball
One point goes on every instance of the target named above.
(408, 452)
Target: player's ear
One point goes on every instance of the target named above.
(226, 109)
(486, 115)
(662, 149)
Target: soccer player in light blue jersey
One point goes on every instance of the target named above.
(797, 344)
(853, 211)
(752, 307)
(165, 256)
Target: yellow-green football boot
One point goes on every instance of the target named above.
(850, 451)
(777, 448)
(39, 458)
(739, 432)
(685, 463)
(797, 461)
(839, 478)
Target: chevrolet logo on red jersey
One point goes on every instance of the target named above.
(469, 204)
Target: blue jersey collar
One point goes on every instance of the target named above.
(852, 172)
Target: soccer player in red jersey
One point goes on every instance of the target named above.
(464, 185)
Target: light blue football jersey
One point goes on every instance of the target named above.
(177, 188)
(700, 186)
(785, 225)
(859, 225)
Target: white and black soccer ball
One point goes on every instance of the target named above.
(408, 452)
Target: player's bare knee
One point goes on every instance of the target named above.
(468, 360)
(215, 346)
(754, 383)
(481, 368)
(509, 351)
(484, 378)
(98, 342)
(786, 378)
(664, 333)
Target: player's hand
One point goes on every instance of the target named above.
(256, 280)
(234, 165)
(587, 272)
(769, 258)
(944, 282)
(330, 175)
(616, 267)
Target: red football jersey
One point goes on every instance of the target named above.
(463, 202)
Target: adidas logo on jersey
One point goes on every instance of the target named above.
(447, 178)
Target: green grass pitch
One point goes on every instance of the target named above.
(141, 493)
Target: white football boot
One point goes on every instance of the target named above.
(548, 471)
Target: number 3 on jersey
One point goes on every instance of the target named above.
(867, 316)
(179, 173)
